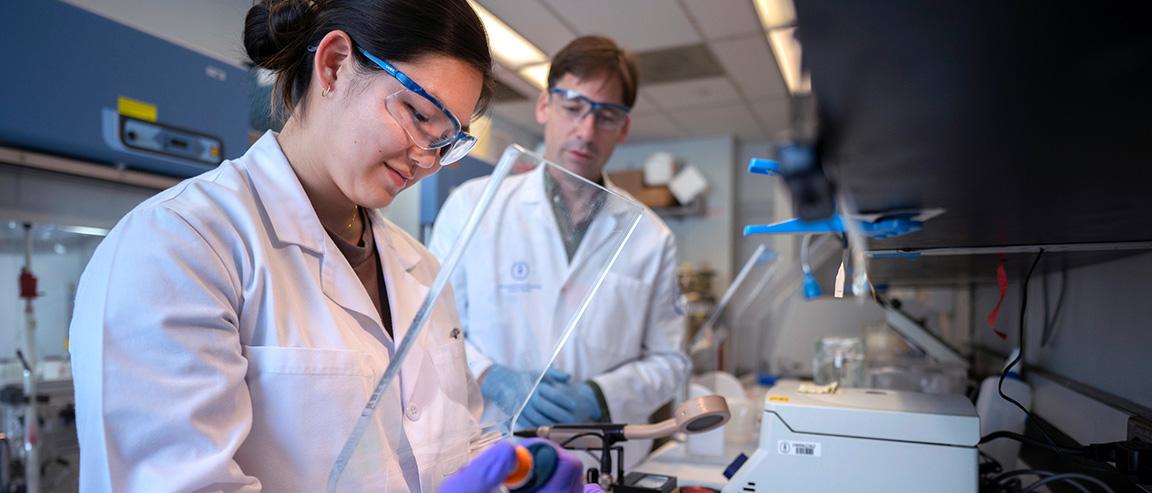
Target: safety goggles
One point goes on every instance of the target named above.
(575, 106)
(424, 118)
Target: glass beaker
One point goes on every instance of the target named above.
(839, 359)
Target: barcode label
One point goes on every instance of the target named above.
(789, 447)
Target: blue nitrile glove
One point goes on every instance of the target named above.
(507, 388)
(565, 403)
(484, 473)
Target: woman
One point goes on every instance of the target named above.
(228, 330)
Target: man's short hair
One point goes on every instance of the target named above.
(588, 57)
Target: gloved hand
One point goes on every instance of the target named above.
(507, 388)
(488, 470)
(567, 472)
(562, 403)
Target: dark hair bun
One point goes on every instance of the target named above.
(275, 32)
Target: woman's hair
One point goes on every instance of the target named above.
(595, 56)
(279, 33)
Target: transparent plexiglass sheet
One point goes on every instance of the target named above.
(426, 417)
(738, 311)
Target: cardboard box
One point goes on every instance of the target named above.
(630, 181)
(655, 197)
(633, 183)
(688, 184)
(659, 169)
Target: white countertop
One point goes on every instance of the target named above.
(673, 459)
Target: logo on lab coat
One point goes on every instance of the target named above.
(520, 271)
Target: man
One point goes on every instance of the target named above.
(624, 360)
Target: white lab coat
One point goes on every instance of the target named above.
(221, 342)
(510, 287)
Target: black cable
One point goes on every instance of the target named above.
(1068, 476)
(1020, 472)
(1032, 441)
(1023, 344)
(1006, 486)
(23, 362)
(582, 435)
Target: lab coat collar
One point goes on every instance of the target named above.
(406, 293)
(287, 207)
(535, 191)
(385, 234)
(294, 221)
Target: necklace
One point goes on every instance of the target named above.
(352, 218)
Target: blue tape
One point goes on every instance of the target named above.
(764, 167)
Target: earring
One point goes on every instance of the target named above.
(326, 92)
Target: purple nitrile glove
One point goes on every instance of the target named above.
(485, 472)
(593, 488)
(488, 470)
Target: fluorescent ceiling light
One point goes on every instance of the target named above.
(776, 13)
(508, 46)
(536, 74)
(786, 49)
(84, 230)
(779, 19)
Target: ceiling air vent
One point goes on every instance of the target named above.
(677, 64)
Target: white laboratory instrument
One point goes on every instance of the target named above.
(862, 440)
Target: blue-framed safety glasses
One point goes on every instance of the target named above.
(575, 106)
(424, 118)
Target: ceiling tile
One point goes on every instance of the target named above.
(724, 18)
(533, 21)
(645, 105)
(653, 126)
(638, 25)
(748, 60)
(734, 120)
(693, 93)
(773, 115)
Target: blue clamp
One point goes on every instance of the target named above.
(885, 227)
(764, 167)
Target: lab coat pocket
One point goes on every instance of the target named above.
(613, 326)
(452, 370)
(453, 461)
(297, 393)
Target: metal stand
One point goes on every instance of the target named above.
(28, 360)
